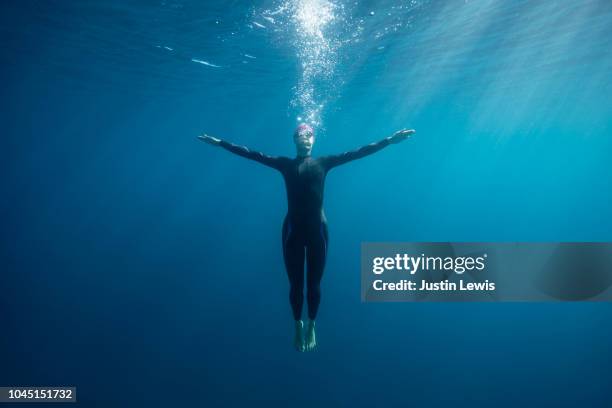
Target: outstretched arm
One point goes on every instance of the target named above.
(243, 151)
(338, 159)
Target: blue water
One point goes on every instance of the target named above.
(144, 267)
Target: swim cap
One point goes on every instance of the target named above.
(303, 127)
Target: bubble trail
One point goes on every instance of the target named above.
(312, 26)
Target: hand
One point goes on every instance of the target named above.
(401, 135)
(210, 140)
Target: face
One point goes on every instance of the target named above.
(304, 140)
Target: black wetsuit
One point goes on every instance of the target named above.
(305, 227)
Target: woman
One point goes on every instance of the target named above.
(305, 227)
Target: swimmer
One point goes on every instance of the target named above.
(304, 232)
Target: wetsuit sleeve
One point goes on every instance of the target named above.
(270, 161)
(338, 159)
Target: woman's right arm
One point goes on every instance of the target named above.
(270, 161)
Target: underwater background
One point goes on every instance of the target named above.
(144, 267)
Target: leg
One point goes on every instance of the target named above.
(316, 256)
(293, 253)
